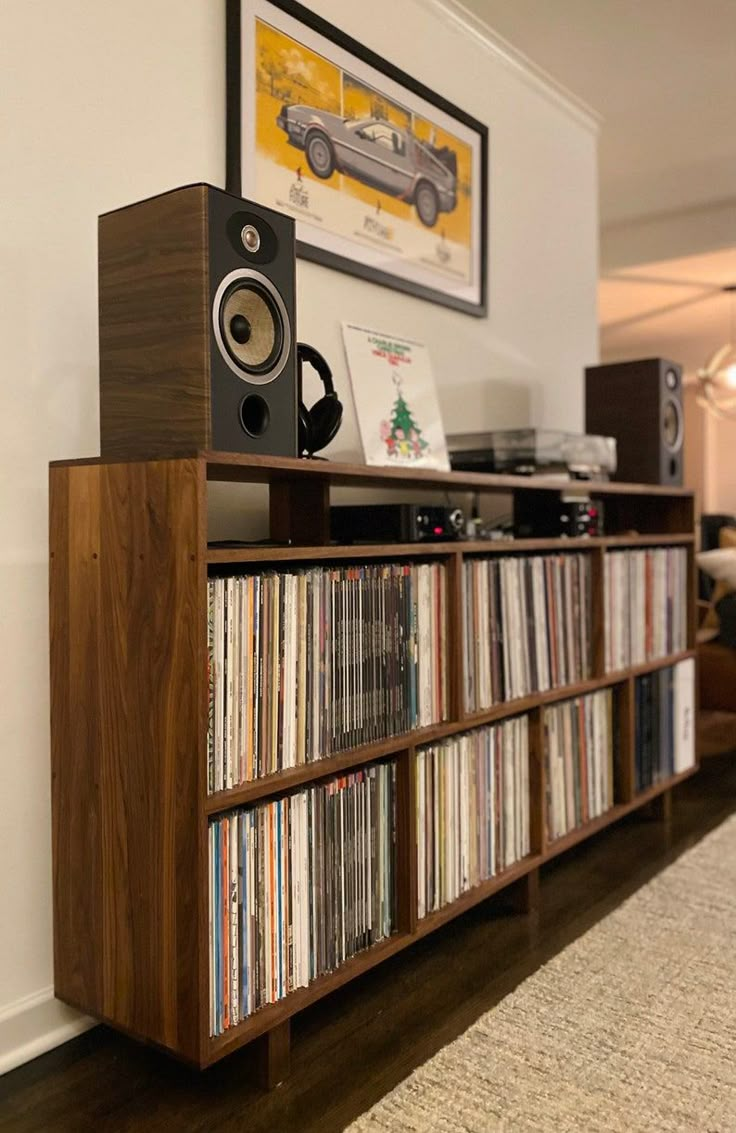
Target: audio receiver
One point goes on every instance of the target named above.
(395, 523)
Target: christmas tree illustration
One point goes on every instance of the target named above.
(402, 436)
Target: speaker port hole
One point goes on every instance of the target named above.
(673, 467)
(255, 415)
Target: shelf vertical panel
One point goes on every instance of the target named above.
(299, 511)
(406, 840)
(537, 783)
(598, 610)
(126, 717)
(692, 598)
(624, 766)
(455, 637)
(74, 584)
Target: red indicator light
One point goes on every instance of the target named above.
(438, 530)
(593, 512)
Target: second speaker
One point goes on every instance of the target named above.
(640, 404)
(197, 327)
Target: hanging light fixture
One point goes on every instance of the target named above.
(717, 379)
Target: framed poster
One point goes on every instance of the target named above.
(395, 400)
(384, 178)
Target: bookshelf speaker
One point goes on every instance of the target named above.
(640, 404)
(197, 327)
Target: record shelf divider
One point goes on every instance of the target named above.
(129, 568)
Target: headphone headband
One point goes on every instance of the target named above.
(318, 425)
(307, 353)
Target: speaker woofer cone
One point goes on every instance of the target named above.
(251, 326)
(672, 425)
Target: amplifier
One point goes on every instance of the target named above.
(395, 523)
(543, 514)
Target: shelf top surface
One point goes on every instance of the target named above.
(273, 552)
(264, 469)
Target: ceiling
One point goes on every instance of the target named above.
(673, 309)
(662, 76)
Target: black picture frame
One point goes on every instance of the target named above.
(311, 248)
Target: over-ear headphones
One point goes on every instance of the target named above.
(318, 425)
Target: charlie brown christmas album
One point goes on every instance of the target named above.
(395, 400)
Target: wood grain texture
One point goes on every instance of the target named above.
(454, 637)
(299, 511)
(624, 768)
(598, 611)
(128, 733)
(660, 808)
(384, 1024)
(273, 1015)
(618, 811)
(522, 896)
(626, 401)
(225, 466)
(154, 326)
(313, 553)
(129, 727)
(74, 592)
(270, 786)
(537, 782)
(692, 597)
(274, 1062)
(256, 469)
(406, 841)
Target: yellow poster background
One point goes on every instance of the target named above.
(287, 72)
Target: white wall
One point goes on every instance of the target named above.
(104, 103)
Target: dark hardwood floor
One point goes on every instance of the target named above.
(353, 1047)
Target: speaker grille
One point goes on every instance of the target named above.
(251, 326)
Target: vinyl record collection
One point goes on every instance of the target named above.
(472, 810)
(578, 743)
(665, 723)
(645, 596)
(306, 663)
(527, 626)
(296, 887)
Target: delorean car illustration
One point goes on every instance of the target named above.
(377, 153)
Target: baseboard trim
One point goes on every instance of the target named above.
(35, 1024)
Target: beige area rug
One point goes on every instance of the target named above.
(632, 1027)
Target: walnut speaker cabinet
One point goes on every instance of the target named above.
(197, 327)
(640, 404)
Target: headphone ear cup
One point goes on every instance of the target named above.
(305, 429)
(325, 418)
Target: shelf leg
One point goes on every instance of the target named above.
(658, 810)
(523, 895)
(661, 808)
(274, 1061)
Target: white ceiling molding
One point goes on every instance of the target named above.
(468, 24)
(668, 235)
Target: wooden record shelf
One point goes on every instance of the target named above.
(129, 562)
